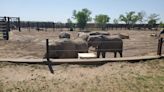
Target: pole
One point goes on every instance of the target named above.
(53, 25)
(28, 25)
(8, 28)
(37, 24)
(19, 24)
(45, 25)
(47, 49)
(48, 59)
(160, 41)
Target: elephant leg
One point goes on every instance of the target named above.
(103, 54)
(115, 54)
(98, 54)
(120, 53)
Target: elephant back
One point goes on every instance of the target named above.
(63, 48)
(64, 35)
(99, 33)
(83, 35)
(67, 47)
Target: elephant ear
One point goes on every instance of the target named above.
(94, 41)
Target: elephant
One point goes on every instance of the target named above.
(62, 48)
(64, 35)
(83, 35)
(81, 45)
(67, 48)
(99, 33)
(122, 36)
(105, 44)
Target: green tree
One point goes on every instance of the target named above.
(102, 20)
(130, 18)
(82, 17)
(152, 19)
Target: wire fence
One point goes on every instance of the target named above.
(35, 50)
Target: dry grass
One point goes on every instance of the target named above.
(111, 77)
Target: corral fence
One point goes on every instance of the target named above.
(7, 24)
(31, 50)
(157, 48)
(25, 47)
(43, 26)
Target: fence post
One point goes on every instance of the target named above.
(53, 25)
(160, 41)
(37, 26)
(47, 49)
(28, 25)
(8, 29)
(19, 24)
(45, 26)
(48, 59)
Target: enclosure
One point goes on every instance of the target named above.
(32, 44)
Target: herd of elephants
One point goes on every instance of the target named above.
(102, 42)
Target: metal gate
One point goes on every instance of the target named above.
(6, 23)
(4, 28)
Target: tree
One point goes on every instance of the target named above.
(115, 21)
(102, 20)
(70, 24)
(130, 18)
(82, 17)
(152, 19)
(141, 16)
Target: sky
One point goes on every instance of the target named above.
(61, 10)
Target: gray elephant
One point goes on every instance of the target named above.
(62, 48)
(105, 44)
(99, 33)
(83, 35)
(67, 48)
(122, 36)
(81, 45)
(64, 35)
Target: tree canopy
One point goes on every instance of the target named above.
(82, 17)
(141, 16)
(129, 18)
(101, 20)
(153, 18)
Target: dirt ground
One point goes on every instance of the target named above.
(31, 44)
(111, 77)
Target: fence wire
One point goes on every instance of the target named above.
(134, 47)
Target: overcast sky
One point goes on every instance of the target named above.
(61, 10)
